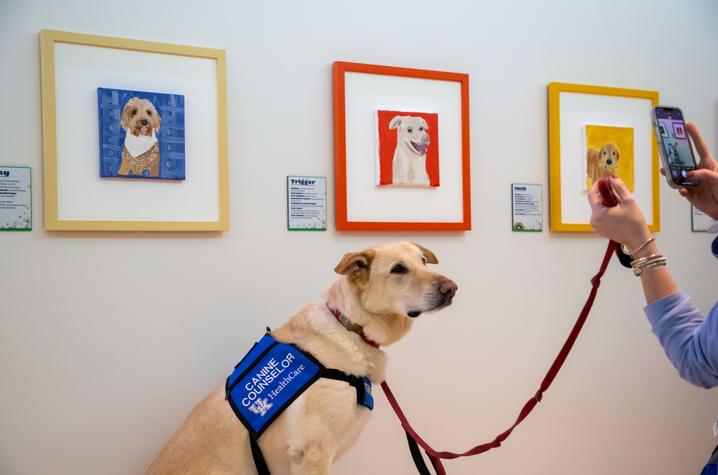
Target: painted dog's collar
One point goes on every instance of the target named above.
(351, 326)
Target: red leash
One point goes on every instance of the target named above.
(609, 200)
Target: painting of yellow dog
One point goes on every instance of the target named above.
(609, 152)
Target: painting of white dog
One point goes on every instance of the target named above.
(407, 148)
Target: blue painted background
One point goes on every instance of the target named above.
(170, 136)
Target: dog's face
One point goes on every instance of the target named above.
(411, 132)
(608, 157)
(395, 280)
(139, 117)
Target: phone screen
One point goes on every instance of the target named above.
(673, 138)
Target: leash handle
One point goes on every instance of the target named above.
(608, 196)
(610, 200)
(435, 455)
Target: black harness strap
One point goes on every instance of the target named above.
(416, 455)
(259, 461)
(355, 381)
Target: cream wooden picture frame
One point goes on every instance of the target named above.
(84, 201)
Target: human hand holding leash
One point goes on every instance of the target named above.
(623, 223)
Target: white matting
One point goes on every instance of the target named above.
(579, 110)
(367, 93)
(82, 194)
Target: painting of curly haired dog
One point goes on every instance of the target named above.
(608, 152)
(141, 134)
(408, 148)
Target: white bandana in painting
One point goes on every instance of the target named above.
(139, 145)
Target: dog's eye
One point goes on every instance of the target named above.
(399, 269)
(134, 111)
(410, 130)
(421, 129)
(423, 260)
(149, 112)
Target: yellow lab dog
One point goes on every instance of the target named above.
(378, 294)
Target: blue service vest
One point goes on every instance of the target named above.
(272, 375)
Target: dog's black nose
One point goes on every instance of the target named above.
(143, 121)
(609, 161)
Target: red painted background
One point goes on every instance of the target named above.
(387, 144)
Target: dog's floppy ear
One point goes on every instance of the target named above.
(125, 117)
(428, 254)
(156, 119)
(395, 122)
(355, 263)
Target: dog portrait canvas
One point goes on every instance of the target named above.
(608, 151)
(407, 148)
(142, 134)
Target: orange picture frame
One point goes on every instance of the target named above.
(340, 68)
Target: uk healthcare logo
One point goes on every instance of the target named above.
(261, 407)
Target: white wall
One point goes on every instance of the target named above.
(107, 340)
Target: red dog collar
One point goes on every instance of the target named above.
(351, 326)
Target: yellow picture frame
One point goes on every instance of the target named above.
(48, 40)
(558, 223)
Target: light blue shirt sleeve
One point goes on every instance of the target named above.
(690, 341)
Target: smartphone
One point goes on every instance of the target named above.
(673, 143)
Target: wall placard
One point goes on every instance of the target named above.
(306, 203)
(15, 198)
(526, 207)
(701, 222)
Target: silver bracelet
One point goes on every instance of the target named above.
(653, 261)
(638, 263)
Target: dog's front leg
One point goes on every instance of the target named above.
(125, 165)
(311, 459)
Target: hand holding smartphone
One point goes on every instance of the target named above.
(674, 146)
